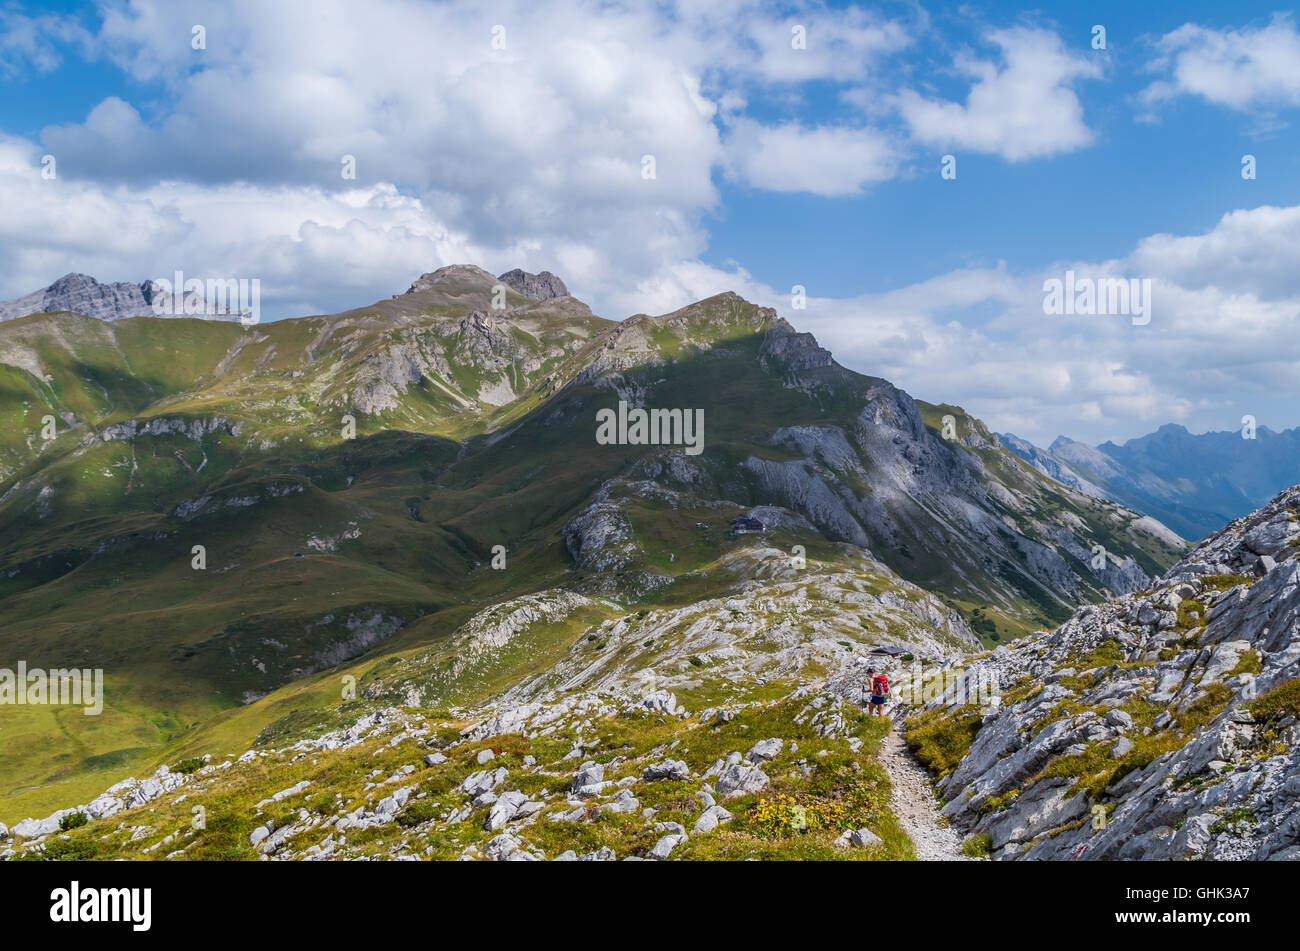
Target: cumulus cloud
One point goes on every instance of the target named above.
(532, 155)
(825, 160)
(1024, 108)
(1236, 68)
(534, 145)
(313, 250)
(1213, 350)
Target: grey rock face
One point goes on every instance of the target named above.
(790, 350)
(1207, 778)
(82, 294)
(599, 538)
(543, 286)
(915, 476)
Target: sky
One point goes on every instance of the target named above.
(920, 170)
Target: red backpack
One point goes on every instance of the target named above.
(879, 685)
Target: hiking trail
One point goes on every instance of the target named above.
(915, 804)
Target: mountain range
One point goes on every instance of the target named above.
(371, 586)
(1161, 725)
(1193, 483)
(82, 294)
(353, 488)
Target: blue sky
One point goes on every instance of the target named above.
(774, 167)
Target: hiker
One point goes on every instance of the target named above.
(879, 686)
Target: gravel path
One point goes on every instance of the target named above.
(915, 804)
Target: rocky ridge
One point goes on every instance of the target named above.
(1161, 725)
(82, 294)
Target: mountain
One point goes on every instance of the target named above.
(228, 519)
(80, 294)
(1194, 483)
(541, 286)
(1049, 464)
(1160, 725)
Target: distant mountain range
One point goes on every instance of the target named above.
(82, 294)
(1193, 483)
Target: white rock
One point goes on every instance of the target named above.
(740, 779)
(710, 820)
(765, 750)
(664, 847)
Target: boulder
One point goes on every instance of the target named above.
(669, 769)
(590, 775)
(710, 820)
(765, 750)
(857, 839)
(740, 779)
(675, 836)
(508, 807)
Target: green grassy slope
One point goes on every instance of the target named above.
(328, 555)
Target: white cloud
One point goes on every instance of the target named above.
(1026, 108)
(825, 160)
(531, 157)
(535, 149)
(1211, 352)
(311, 249)
(1240, 69)
(33, 43)
(1250, 250)
(842, 45)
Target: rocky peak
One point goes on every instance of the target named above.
(793, 350)
(82, 294)
(542, 286)
(452, 274)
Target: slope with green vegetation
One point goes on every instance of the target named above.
(472, 478)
